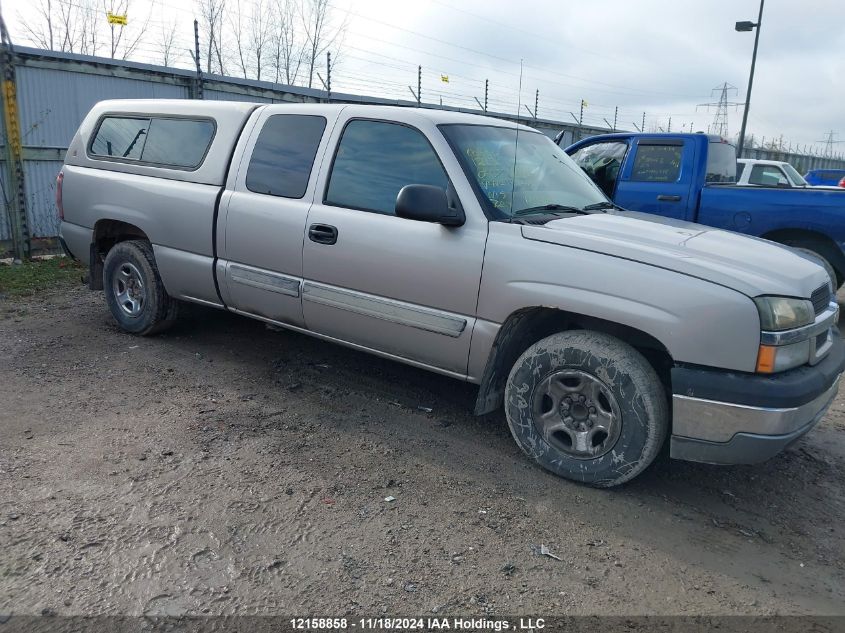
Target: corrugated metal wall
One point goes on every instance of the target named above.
(53, 102)
(221, 95)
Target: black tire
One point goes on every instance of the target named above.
(147, 308)
(628, 391)
(835, 281)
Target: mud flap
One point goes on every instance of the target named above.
(95, 268)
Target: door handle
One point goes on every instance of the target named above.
(664, 198)
(322, 233)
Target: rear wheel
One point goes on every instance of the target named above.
(587, 407)
(134, 291)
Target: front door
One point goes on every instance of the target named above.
(657, 177)
(402, 287)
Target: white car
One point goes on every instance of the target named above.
(768, 173)
(771, 173)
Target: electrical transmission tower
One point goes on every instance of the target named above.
(829, 141)
(720, 120)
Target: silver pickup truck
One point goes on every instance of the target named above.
(467, 246)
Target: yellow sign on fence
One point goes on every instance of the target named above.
(444, 78)
(116, 19)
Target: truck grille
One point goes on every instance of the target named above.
(821, 298)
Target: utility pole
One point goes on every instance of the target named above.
(328, 76)
(14, 192)
(747, 26)
(198, 90)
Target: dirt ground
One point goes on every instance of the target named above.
(225, 468)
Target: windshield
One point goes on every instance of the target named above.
(796, 178)
(520, 174)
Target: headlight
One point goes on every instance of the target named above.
(783, 313)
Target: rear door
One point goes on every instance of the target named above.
(657, 177)
(264, 223)
(402, 287)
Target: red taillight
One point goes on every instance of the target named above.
(842, 183)
(59, 180)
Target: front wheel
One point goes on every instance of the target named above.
(588, 407)
(134, 291)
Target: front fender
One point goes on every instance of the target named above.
(698, 322)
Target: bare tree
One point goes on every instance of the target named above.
(124, 40)
(89, 33)
(167, 44)
(260, 25)
(70, 21)
(287, 50)
(236, 23)
(212, 12)
(61, 26)
(251, 34)
(322, 32)
(44, 29)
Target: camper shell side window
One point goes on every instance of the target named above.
(154, 140)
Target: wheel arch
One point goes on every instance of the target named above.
(526, 326)
(107, 233)
(813, 240)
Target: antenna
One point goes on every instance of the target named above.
(516, 139)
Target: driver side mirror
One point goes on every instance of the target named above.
(427, 203)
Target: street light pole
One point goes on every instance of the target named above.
(747, 26)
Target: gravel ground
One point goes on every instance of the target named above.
(225, 468)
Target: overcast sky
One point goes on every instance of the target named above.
(661, 57)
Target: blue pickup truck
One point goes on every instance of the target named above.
(692, 177)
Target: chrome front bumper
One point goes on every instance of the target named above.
(725, 433)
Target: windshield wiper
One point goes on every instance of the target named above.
(550, 207)
(598, 206)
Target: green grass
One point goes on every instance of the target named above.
(38, 276)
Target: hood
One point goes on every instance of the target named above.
(749, 265)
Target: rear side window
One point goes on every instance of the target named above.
(284, 154)
(375, 160)
(180, 143)
(721, 163)
(657, 163)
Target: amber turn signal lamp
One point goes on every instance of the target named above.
(766, 359)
